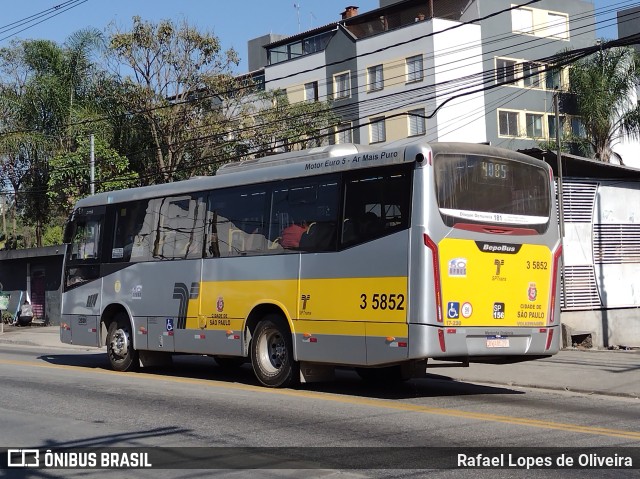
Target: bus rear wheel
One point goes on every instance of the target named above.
(272, 353)
(120, 350)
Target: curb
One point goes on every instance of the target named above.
(551, 388)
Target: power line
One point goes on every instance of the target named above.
(38, 18)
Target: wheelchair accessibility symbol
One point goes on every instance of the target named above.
(453, 309)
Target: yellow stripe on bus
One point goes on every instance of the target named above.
(333, 306)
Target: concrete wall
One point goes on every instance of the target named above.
(608, 327)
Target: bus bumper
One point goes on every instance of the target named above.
(448, 342)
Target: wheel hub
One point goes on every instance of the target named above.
(120, 343)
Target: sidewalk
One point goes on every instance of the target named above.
(44, 336)
(615, 373)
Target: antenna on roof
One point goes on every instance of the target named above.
(297, 7)
(313, 19)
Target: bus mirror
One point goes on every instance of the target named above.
(419, 158)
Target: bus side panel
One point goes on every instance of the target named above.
(81, 312)
(157, 296)
(233, 287)
(355, 303)
(160, 334)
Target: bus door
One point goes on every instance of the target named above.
(82, 284)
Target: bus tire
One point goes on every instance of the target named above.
(120, 350)
(383, 375)
(272, 353)
(230, 362)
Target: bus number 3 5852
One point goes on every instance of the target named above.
(383, 301)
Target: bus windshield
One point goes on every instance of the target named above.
(485, 190)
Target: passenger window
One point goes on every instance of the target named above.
(235, 222)
(159, 229)
(376, 203)
(304, 215)
(180, 228)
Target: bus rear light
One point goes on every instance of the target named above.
(543, 330)
(549, 338)
(390, 339)
(402, 344)
(443, 348)
(91, 330)
(142, 330)
(308, 338)
(65, 326)
(451, 331)
(436, 275)
(554, 282)
(199, 336)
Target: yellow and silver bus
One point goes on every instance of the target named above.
(347, 255)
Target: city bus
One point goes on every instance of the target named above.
(372, 258)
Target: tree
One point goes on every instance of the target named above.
(43, 87)
(287, 126)
(69, 179)
(603, 85)
(180, 80)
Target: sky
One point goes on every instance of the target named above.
(234, 23)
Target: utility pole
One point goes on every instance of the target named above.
(560, 202)
(559, 160)
(92, 167)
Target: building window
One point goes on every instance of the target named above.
(375, 80)
(505, 70)
(530, 74)
(342, 85)
(415, 70)
(508, 123)
(534, 125)
(378, 132)
(553, 80)
(343, 134)
(311, 91)
(557, 25)
(522, 20)
(577, 128)
(417, 122)
(552, 126)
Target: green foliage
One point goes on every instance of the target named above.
(288, 126)
(180, 76)
(52, 235)
(70, 175)
(7, 317)
(603, 84)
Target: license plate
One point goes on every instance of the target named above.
(497, 342)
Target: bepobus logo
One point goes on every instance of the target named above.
(486, 247)
(23, 458)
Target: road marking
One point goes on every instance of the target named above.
(378, 403)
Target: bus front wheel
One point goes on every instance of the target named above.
(120, 350)
(272, 353)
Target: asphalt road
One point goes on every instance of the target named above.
(70, 399)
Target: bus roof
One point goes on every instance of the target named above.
(334, 158)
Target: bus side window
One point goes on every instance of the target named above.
(304, 214)
(376, 203)
(235, 222)
(128, 233)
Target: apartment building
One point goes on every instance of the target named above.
(629, 24)
(450, 70)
